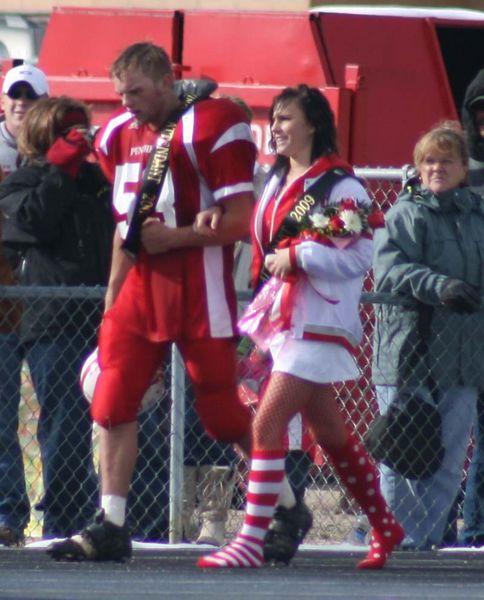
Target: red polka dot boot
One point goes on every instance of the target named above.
(359, 474)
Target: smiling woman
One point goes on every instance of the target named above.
(317, 286)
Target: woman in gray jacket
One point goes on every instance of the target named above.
(430, 257)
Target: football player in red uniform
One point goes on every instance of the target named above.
(177, 286)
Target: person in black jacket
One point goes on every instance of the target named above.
(472, 533)
(56, 231)
(473, 121)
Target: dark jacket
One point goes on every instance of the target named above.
(476, 142)
(57, 231)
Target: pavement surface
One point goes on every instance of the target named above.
(170, 572)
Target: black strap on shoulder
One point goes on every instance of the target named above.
(317, 193)
(155, 174)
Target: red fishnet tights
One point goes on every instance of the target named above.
(287, 395)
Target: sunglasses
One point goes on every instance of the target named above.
(25, 93)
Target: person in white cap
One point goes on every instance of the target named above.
(22, 86)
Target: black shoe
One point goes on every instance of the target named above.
(286, 532)
(474, 541)
(11, 538)
(101, 541)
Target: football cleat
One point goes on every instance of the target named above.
(11, 538)
(100, 541)
(286, 532)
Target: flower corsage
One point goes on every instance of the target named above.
(338, 226)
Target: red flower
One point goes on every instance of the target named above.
(376, 219)
(336, 224)
(348, 204)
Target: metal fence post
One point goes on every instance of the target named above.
(177, 434)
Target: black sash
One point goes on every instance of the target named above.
(290, 225)
(155, 174)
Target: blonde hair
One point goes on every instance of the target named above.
(43, 122)
(152, 60)
(445, 138)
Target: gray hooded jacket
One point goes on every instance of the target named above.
(426, 239)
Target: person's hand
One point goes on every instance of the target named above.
(279, 263)
(459, 296)
(69, 152)
(156, 237)
(208, 220)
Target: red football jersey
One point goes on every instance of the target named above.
(186, 292)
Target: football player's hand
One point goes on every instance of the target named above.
(157, 237)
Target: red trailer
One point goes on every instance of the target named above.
(389, 75)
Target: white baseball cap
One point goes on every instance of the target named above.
(26, 74)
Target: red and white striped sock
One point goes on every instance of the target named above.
(265, 481)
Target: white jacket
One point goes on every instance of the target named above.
(326, 305)
(327, 297)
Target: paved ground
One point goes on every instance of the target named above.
(170, 573)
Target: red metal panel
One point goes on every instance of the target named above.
(403, 84)
(386, 75)
(274, 48)
(82, 41)
(255, 55)
(97, 92)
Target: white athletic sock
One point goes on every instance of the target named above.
(286, 496)
(114, 508)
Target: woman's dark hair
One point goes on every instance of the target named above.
(318, 113)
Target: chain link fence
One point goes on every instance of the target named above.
(183, 479)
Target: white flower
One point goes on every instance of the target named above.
(352, 221)
(319, 220)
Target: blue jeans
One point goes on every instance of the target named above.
(422, 507)
(64, 434)
(474, 494)
(199, 447)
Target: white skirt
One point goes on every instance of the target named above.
(321, 362)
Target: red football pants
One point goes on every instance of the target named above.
(128, 363)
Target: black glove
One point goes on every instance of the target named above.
(201, 88)
(459, 296)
